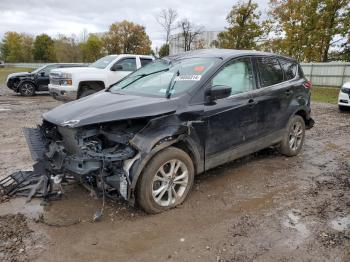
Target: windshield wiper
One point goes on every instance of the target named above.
(171, 85)
(143, 75)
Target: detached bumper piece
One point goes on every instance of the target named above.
(36, 183)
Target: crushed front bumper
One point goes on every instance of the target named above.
(88, 167)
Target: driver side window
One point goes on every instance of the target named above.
(127, 64)
(238, 75)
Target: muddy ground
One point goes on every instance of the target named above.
(264, 207)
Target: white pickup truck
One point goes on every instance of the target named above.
(73, 83)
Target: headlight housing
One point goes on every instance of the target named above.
(345, 90)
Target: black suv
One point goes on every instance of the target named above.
(27, 83)
(146, 137)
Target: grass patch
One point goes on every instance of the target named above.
(325, 94)
(4, 72)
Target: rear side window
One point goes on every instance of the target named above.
(270, 71)
(290, 68)
(145, 61)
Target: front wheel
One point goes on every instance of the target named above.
(166, 181)
(27, 89)
(343, 108)
(293, 139)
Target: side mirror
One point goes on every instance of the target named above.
(117, 67)
(42, 73)
(218, 92)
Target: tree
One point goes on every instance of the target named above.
(307, 29)
(44, 49)
(128, 38)
(167, 19)
(335, 20)
(189, 33)
(16, 47)
(92, 49)
(244, 27)
(164, 50)
(67, 49)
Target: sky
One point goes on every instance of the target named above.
(73, 17)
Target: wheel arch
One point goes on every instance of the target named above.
(92, 84)
(27, 81)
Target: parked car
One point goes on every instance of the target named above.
(27, 83)
(344, 97)
(147, 136)
(2, 64)
(74, 83)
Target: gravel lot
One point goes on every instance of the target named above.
(264, 207)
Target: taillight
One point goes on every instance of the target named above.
(307, 84)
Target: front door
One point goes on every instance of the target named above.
(230, 121)
(42, 77)
(123, 67)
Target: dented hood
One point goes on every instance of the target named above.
(105, 107)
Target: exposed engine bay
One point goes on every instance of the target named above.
(99, 156)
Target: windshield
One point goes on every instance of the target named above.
(38, 69)
(103, 62)
(164, 78)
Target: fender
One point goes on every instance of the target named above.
(158, 134)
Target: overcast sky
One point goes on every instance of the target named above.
(72, 16)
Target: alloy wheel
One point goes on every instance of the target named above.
(295, 136)
(170, 183)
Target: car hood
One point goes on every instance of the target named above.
(78, 70)
(19, 74)
(106, 107)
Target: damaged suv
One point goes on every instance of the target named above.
(148, 135)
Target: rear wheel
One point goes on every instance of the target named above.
(293, 139)
(27, 89)
(166, 181)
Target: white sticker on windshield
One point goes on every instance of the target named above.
(188, 78)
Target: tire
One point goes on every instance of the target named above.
(343, 108)
(87, 92)
(156, 190)
(27, 89)
(295, 129)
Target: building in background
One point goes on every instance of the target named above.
(203, 40)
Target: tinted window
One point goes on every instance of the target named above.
(145, 61)
(48, 69)
(238, 75)
(290, 68)
(270, 71)
(128, 64)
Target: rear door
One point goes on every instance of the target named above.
(272, 97)
(230, 119)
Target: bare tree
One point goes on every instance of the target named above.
(166, 19)
(189, 33)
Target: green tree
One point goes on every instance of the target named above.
(44, 49)
(244, 27)
(164, 50)
(307, 29)
(128, 38)
(67, 49)
(16, 47)
(92, 49)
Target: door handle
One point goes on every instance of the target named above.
(252, 102)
